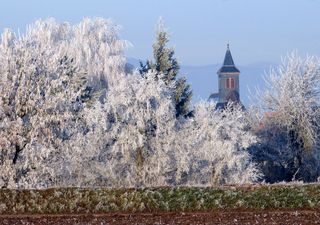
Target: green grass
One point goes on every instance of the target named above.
(76, 200)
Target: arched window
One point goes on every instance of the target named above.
(230, 83)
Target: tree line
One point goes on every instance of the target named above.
(71, 115)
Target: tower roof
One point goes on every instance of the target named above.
(228, 64)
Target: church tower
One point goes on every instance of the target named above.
(228, 80)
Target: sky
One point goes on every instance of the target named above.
(258, 30)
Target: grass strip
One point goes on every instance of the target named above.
(164, 199)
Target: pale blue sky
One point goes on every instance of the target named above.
(258, 30)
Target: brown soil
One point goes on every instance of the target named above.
(234, 217)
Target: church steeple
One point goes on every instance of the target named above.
(228, 79)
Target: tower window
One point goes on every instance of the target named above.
(230, 83)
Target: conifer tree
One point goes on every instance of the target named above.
(165, 63)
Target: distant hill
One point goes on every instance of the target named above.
(204, 79)
(134, 62)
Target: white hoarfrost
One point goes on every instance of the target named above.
(216, 143)
(70, 116)
(293, 94)
(138, 141)
(290, 132)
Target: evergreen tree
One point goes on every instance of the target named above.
(166, 64)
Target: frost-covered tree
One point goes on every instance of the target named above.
(40, 99)
(96, 46)
(166, 64)
(127, 133)
(216, 143)
(45, 81)
(290, 129)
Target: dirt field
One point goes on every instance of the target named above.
(262, 217)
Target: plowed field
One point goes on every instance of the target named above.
(234, 217)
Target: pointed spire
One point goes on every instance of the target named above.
(228, 60)
(228, 63)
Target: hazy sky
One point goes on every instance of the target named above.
(258, 30)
